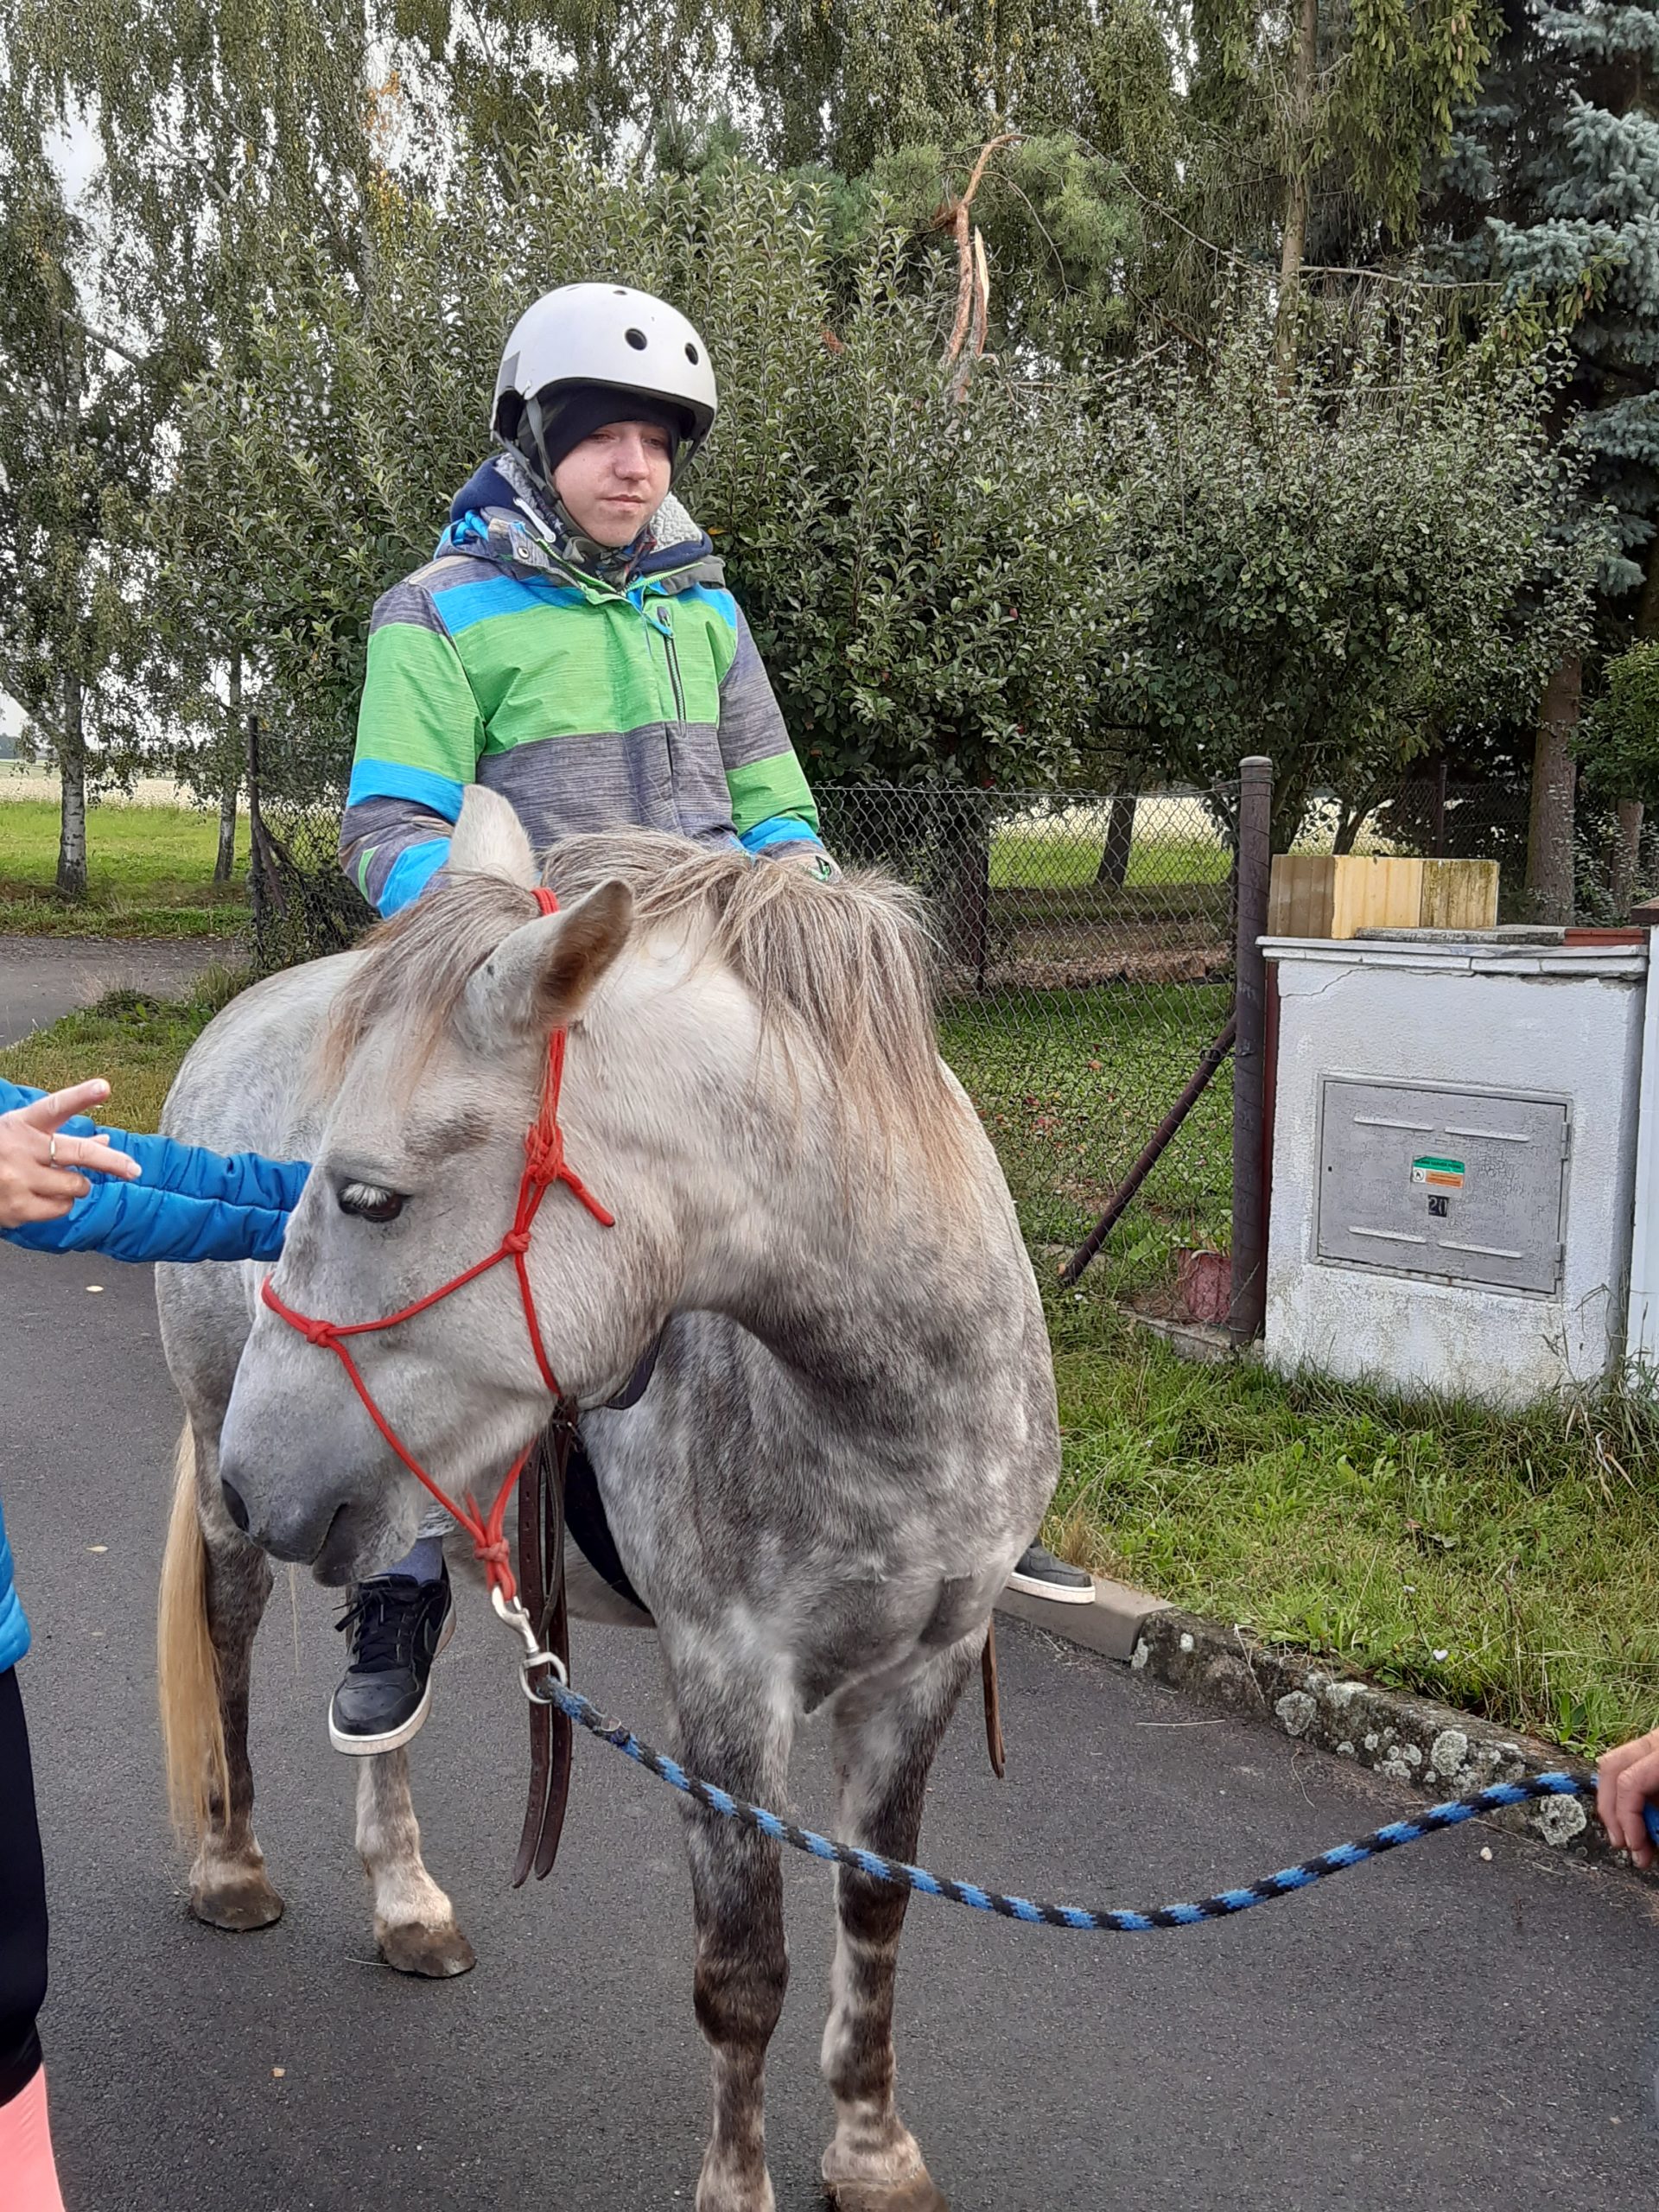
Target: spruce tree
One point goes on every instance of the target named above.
(1551, 195)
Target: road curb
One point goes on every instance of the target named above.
(1434, 1748)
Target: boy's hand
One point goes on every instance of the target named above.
(797, 852)
(1626, 1778)
(39, 1170)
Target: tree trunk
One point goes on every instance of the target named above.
(261, 872)
(1647, 609)
(71, 746)
(967, 835)
(1294, 245)
(1350, 820)
(225, 859)
(1626, 844)
(1549, 834)
(1119, 840)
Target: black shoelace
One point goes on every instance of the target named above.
(380, 1621)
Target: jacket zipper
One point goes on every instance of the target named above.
(662, 623)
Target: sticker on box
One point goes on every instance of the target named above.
(1438, 1174)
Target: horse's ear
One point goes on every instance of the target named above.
(538, 979)
(489, 839)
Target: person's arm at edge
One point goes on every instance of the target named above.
(419, 733)
(139, 1198)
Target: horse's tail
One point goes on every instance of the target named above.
(187, 1668)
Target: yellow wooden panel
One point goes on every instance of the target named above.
(1376, 894)
(1459, 895)
(1298, 894)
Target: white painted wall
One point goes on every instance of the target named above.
(1496, 1014)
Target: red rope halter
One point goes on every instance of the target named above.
(544, 1166)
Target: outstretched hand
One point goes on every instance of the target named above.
(1626, 1779)
(42, 1173)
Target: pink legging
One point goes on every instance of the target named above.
(26, 2161)
(29, 2181)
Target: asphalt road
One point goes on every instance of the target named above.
(1435, 2032)
(41, 977)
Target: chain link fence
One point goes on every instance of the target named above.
(1085, 962)
(1085, 950)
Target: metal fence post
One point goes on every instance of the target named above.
(1249, 1268)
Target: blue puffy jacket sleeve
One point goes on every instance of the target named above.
(189, 1204)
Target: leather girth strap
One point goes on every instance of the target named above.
(541, 1584)
(992, 1703)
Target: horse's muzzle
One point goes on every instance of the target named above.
(316, 1509)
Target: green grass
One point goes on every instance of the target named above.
(1506, 1563)
(149, 872)
(136, 1042)
(1058, 856)
(1070, 1085)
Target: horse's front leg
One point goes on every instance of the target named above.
(736, 1733)
(415, 1923)
(887, 1733)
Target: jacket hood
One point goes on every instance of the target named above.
(500, 514)
(486, 488)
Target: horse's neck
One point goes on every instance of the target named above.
(855, 1286)
(851, 1259)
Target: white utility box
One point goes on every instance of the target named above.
(1454, 1139)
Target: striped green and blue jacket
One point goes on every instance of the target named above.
(588, 706)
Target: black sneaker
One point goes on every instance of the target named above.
(398, 1627)
(1040, 1574)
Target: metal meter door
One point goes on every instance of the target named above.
(1468, 1185)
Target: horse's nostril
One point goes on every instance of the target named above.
(234, 1507)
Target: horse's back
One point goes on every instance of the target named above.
(242, 1088)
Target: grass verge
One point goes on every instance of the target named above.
(150, 874)
(136, 1042)
(1507, 1563)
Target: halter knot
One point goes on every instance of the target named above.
(496, 1560)
(316, 1332)
(516, 1240)
(544, 1154)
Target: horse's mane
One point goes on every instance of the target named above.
(846, 969)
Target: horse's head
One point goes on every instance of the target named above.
(751, 1081)
(434, 1063)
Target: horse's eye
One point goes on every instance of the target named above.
(368, 1202)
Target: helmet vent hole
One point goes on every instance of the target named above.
(636, 339)
(691, 355)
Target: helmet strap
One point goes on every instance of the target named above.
(543, 506)
(534, 448)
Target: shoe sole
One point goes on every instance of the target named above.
(365, 1747)
(1033, 1586)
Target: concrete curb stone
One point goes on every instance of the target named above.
(1439, 1751)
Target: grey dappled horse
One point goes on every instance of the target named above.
(850, 1436)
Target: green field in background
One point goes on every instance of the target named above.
(150, 874)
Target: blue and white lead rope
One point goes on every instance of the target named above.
(1114, 1920)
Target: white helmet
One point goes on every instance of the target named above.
(609, 335)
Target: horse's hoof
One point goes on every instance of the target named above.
(237, 1907)
(439, 1954)
(916, 2194)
